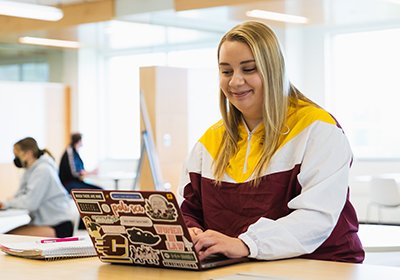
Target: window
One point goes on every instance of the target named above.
(32, 72)
(123, 110)
(197, 58)
(364, 91)
(9, 72)
(123, 114)
(146, 45)
(35, 72)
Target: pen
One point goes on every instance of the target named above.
(66, 239)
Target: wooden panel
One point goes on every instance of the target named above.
(181, 5)
(165, 92)
(85, 12)
(148, 85)
(67, 108)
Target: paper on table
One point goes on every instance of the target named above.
(13, 212)
(50, 251)
(13, 218)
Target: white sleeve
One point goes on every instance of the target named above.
(192, 164)
(324, 179)
(32, 196)
(71, 162)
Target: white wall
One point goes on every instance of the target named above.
(29, 109)
(203, 102)
(88, 106)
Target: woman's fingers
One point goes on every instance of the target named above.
(212, 242)
(194, 231)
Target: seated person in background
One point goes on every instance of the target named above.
(72, 170)
(40, 192)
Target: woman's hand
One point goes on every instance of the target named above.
(194, 231)
(212, 242)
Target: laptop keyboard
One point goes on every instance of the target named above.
(214, 258)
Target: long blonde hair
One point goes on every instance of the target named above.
(277, 89)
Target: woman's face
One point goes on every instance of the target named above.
(21, 155)
(78, 145)
(240, 80)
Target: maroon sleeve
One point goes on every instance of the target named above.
(191, 207)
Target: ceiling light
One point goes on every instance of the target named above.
(49, 42)
(276, 16)
(33, 11)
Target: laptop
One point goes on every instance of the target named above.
(144, 228)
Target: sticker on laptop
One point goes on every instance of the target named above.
(113, 248)
(159, 209)
(106, 208)
(89, 207)
(179, 259)
(126, 196)
(138, 236)
(109, 219)
(136, 221)
(113, 229)
(145, 254)
(92, 227)
(171, 232)
(98, 196)
(122, 207)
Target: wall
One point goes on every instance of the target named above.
(39, 110)
(203, 102)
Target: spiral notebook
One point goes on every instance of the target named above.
(50, 251)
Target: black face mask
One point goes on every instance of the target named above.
(18, 162)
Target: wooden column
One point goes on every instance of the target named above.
(165, 93)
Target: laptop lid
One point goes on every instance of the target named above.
(140, 228)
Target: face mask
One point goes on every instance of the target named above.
(18, 162)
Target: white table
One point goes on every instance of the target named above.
(115, 176)
(380, 238)
(368, 178)
(13, 218)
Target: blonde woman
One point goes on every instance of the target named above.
(270, 180)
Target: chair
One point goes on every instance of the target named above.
(384, 193)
